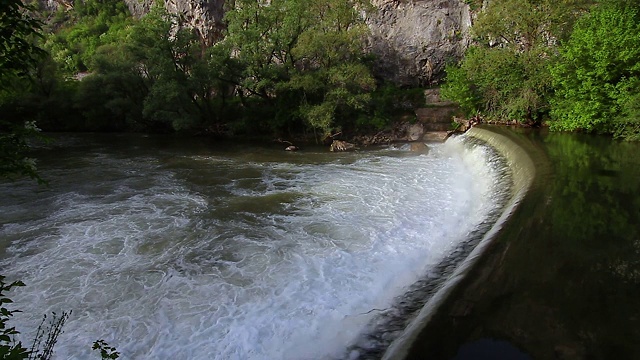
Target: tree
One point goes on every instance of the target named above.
(504, 75)
(18, 56)
(332, 74)
(18, 30)
(89, 25)
(304, 59)
(262, 35)
(500, 83)
(597, 75)
(152, 75)
(181, 77)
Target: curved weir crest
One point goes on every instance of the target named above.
(522, 171)
(200, 254)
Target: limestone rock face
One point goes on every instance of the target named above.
(205, 16)
(52, 5)
(413, 39)
(138, 8)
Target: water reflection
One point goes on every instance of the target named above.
(595, 242)
(562, 279)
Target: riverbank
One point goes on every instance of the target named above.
(560, 281)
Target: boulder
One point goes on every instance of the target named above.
(339, 145)
(419, 147)
(415, 132)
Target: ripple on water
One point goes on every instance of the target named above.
(267, 260)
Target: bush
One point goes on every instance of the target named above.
(598, 73)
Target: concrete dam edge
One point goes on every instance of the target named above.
(523, 171)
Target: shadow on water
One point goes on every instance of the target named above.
(561, 280)
(488, 349)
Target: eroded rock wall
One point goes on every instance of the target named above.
(413, 39)
(206, 16)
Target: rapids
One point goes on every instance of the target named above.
(174, 250)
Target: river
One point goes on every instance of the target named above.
(173, 248)
(562, 278)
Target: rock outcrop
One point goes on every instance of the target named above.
(205, 16)
(413, 39)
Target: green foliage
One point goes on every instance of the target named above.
(529, 61)
(167, 58)
(90, 24)
(284, 65)
(18, 56)
(500, 83)
(474, 4)
(522, 25)
(461, 88)
(9, 349)
(598, 73)
(106, 352)
(154, 77)
(505, 74)
(18, 33)
(305, 56)
(46, 335)
(13, 149)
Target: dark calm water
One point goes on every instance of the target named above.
(189, 249)
(563, 279)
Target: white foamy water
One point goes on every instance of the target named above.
(204, 256)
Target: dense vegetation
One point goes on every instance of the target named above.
(298, 66)
(18, 56)
(597, 75)
(291, 67)
(532, 64)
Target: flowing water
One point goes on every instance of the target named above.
(174, 249)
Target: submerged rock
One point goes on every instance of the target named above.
(419, 147)
(339, 145)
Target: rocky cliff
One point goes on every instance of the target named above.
(413, 39)
(206, 16)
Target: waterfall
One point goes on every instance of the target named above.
(186, 251)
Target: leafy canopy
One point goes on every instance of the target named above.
(18, 57)
(505, 74)
(302, 53)
(597, 76)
